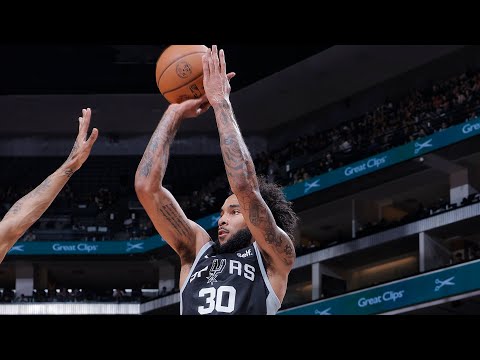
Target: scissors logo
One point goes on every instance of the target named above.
(420, 146)
(310, 186)
(323, 312)
(138, 246)
(17, 248)
(442, 283)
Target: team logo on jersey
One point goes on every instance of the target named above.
(198, 274)
(216, 268)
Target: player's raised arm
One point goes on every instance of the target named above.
(182, 234)
(275, 243)
(26, 211)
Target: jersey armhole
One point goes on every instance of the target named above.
(272, 296)
(202, 251)
(197, 258)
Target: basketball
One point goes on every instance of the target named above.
(179, 72)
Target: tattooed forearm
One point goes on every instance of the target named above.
(169, 212)
(68, 173)
(40, 189)
(146, 166)
(30, 207)
(15, 209)
(236, 157)
(158, 149)
(242, 178)
(147, 159)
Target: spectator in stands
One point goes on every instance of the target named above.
(118, 294)
(26, 211)
(458, 258)
(256, 222)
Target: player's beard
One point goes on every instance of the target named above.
(241, 239)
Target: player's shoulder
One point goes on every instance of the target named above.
(201, 236)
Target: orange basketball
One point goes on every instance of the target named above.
(179, 72)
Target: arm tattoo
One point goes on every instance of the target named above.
(39, 190)
(147, 159)
(241, 171)
(258, 216)
(289, 254)
(236, 157)
(257, 213)
(169, 212)
(147, 165)
(282, 245)
(68, 173)
(15, 209)
(232, 151)
(226, 116)
(162, 138)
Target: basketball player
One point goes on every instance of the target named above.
(245, 270)
(26, 211)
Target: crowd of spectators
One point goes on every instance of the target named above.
(113, 213)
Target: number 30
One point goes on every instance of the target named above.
(214, 299)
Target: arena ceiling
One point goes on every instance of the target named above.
(44, 87)
(38, 69)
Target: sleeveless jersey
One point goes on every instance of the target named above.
(227, 284)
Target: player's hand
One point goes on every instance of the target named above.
(216, 81)
(191, 108)
(82, 147)
(194, 107)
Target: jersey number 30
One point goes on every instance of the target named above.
(214, 299)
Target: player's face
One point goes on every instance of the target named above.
(231, 219)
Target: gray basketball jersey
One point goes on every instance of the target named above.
(227, 284)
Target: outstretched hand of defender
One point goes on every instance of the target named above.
(83, 145)
(215, 78)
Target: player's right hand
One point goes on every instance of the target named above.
(82, 147)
